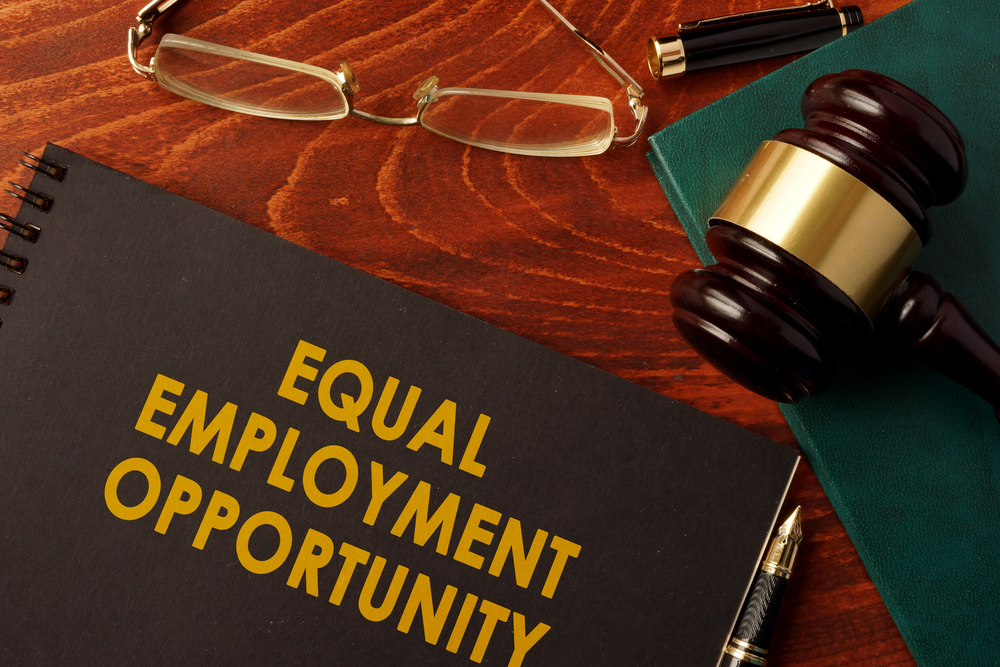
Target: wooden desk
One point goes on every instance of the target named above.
(577, 254)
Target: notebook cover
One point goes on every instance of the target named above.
(184, 481)
(909, 459)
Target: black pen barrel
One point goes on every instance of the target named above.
(754, 39)
(756, 621)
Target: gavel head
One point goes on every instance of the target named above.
(819, 232)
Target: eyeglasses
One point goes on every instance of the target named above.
(510, 121)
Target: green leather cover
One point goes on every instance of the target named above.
(909, 459)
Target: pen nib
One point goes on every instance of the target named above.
(792, 527)
(785, 546)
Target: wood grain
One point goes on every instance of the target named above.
(576, 254)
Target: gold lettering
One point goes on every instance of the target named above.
(297, 368)
(156, 403)
(474, 533)
(381, 491)
(353, 557)
(443, 418)
(512, 544)
(221, 514)
(277, 477)
(350, 464)
(494, 614)
(382, 409)
(147, 470)
(350, 408)
(421, 598)
(461, 623)
(193, 417)
(417, 509)
(469, 463)
(183, 498)
(258, 436)
(381, 612)
(564, 551)
(524, 642)
(268, 565)
(309, 561)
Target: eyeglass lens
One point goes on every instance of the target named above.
(247, 82)
(556, 125)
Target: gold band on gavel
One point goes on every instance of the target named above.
(827, 218)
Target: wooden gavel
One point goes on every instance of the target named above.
(815, 241)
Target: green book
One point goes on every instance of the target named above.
(909, 459)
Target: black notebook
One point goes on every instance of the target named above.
(218, 447)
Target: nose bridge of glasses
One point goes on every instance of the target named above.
(350, 86)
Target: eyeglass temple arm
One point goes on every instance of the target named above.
(635, 91)
(602, 57)
(146, 16)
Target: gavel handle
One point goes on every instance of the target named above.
(936, 328)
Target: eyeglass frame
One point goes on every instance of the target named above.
(349, 84)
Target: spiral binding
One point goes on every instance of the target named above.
(14, 263)
(36, 199)
(50, 169)
(26, 231)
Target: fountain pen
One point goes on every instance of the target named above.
(749, 643)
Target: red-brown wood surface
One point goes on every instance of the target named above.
(577, 254)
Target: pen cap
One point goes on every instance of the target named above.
(725, 40)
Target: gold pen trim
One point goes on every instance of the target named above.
(777, 570)
(666, 57)
(828, 219)
(747, 646)
(746, 656)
